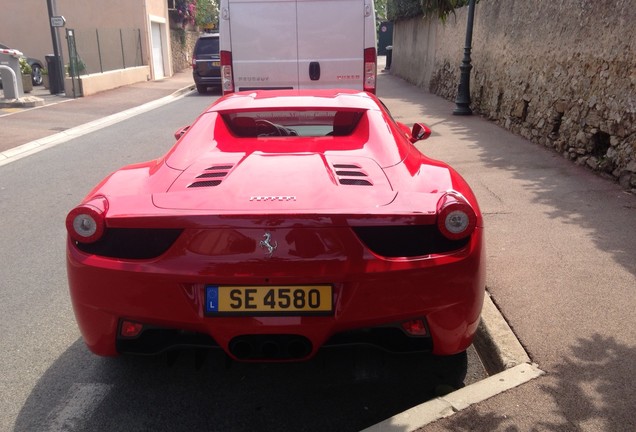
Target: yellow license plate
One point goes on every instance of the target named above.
(215, 63)
(266, 300)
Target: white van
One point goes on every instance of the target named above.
(297, 44)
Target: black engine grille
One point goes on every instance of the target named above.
(407, 240)
(132, 243)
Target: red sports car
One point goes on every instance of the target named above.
(279, 223)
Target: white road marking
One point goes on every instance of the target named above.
(16, 153)
(83, 400)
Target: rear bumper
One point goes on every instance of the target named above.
(168, 297)
(206, 80)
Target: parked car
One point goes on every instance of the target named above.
(36, 67)
(279, 223)
(206, 63)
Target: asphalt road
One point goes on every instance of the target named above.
(50, 382)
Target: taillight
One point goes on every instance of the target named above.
(86, 222)
(370, 70)
(194, 62)
(456, 219)
(227, 81)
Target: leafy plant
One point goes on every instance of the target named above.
(403, 9)
(207, 13)
(76, 67)
(25, 68)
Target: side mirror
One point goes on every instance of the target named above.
(420, 132)
(179, 133)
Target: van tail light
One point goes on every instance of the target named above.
(370, 70)
(456, 219)
(194, 62)
(86, 222)
(227, 80)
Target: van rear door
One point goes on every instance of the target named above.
(297, 44)
(264, 44)
(330, 43)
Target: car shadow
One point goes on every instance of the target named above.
(344, 389)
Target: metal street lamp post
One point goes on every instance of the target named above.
(462, 101)
(57, 51)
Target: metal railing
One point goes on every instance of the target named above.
(101, 50)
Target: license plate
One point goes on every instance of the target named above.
(215, 64)
(269, 300)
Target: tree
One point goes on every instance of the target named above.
(403, 9)
(441, 8)
(380, 10)
(207, 14)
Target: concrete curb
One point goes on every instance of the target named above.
(38, 145)
(505, 360)
(445, 406)
(495, 342)
(23, 102)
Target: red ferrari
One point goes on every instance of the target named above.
(279, 223)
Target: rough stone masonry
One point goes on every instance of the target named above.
(560, 73)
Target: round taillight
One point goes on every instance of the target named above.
(456, 218)
(85, 223)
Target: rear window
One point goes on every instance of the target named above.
(304, 123)
(207, 46)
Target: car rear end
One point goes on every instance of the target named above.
(275, 287)
(271, 245)
(206, 62)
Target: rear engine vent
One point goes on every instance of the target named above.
(132, 243)
(217, 172)
(349, 174)
(407, 240)
(355, 182)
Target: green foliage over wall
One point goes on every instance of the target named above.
(404, 9)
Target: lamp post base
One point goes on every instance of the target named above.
(462, 109)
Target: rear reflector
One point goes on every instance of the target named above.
(130, 329)
(415, 327)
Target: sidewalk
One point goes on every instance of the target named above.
(561, 248)
(60, 113)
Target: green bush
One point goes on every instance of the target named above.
(404, 9)
(25, 68)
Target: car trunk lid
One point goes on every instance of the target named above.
(279, 183)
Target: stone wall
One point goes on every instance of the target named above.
(561, 73)
(182, 46)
